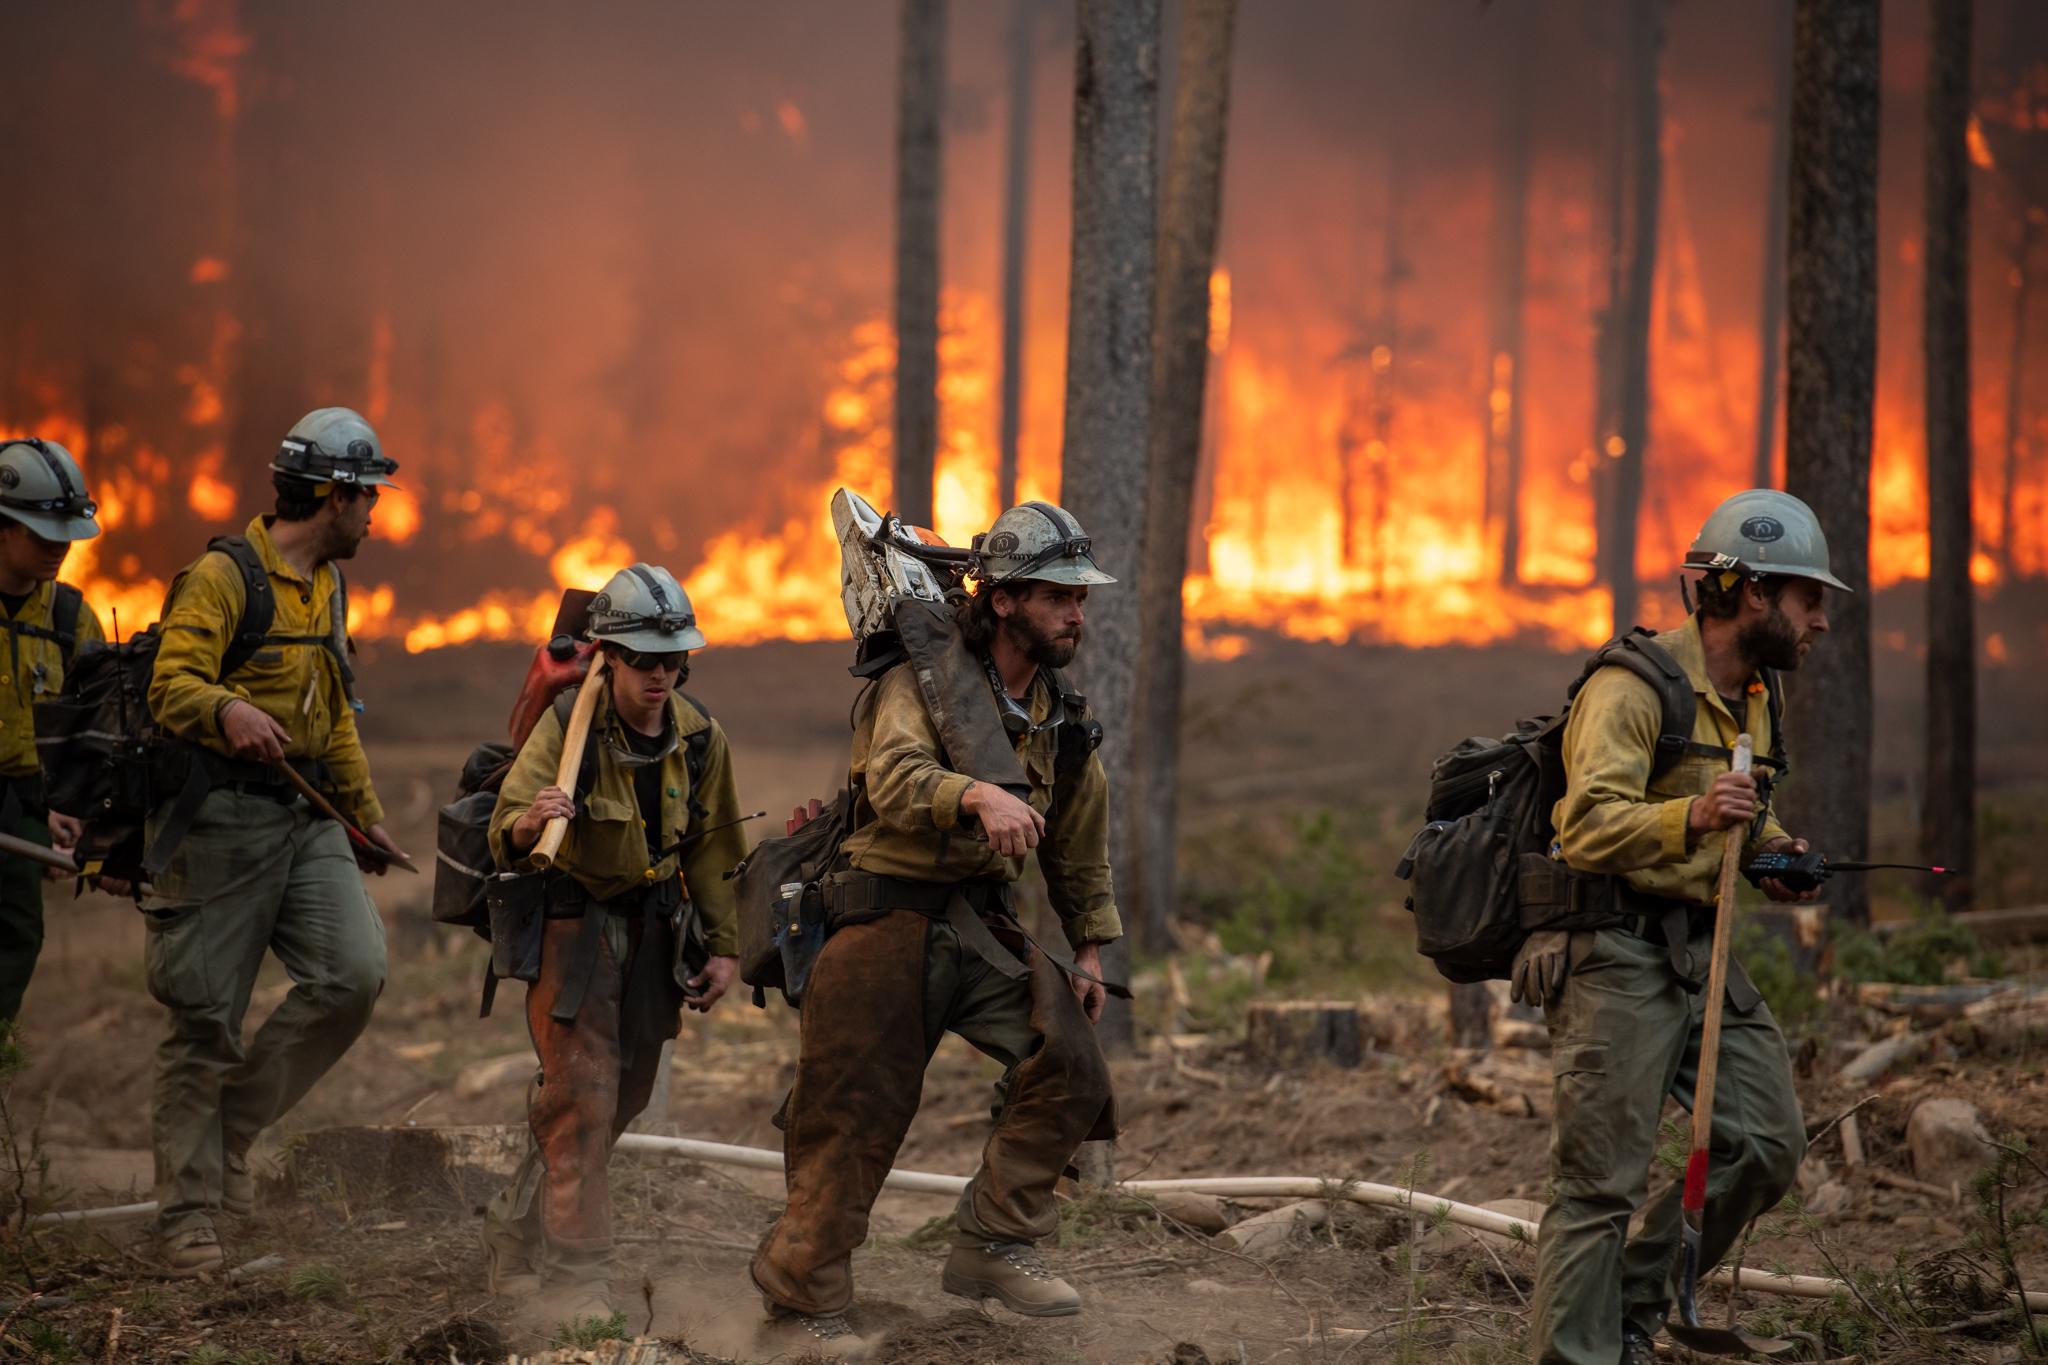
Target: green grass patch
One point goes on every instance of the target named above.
(585, 1333)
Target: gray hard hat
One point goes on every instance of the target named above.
(1036, 542)
(335, 445)
(643, 608)
(41, 487)
(1763, 531)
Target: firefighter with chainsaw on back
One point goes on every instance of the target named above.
(43, 508)
(1624, 1004)
(923, 940)
(635, 921)
(251, 864)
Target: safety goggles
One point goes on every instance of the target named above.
(1073, 547)
(71, 505)
(1017, 722)
(647, 661)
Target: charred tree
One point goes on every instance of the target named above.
(1948, 820)
(1830, 385)
(1502, 495)
(1109, 382)
(1016, 241)
(921, 97)
(1771, 312)
(1633, 308)
(1189, 213)
(2031, 220)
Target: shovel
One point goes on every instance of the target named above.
(1689, 1332)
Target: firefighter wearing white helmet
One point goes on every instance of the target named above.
(44, 507)
(925, 941)
(1640, 828)
(253, 673)
(639, 921)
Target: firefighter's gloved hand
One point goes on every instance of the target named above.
(1541, 967)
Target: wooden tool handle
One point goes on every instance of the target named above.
(362, 842)
(1695, 1199)
(573, 740)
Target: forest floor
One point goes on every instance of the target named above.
(1305, 771)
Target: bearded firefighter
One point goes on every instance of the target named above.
(1625, 1003)
(636, 922)
(924, 941)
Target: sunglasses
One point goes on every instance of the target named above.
(648, 661)
(352, 491)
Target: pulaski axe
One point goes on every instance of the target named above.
(1689, 1331)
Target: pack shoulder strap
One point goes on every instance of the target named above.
(65, 602)
(1080, 734)
(696, 748)
(1639, 652)
(259, 605)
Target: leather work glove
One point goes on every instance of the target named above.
(1541, 966)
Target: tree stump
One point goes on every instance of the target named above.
(1472, 1016)
(1300, 1033)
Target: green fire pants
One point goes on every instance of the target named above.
(253, 875)
(1625, 1034)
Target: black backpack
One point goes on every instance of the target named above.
(105, 761)
(463, 866)
(1480, 870)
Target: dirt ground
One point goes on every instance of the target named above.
(376, 1274)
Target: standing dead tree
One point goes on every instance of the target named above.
(1189, 213)
(1771, 311)
(1632, 310)
(1016, 241)
(1506, 365)
(1948, 810)
(1109, 381)
(921, 98)
(1830, 389)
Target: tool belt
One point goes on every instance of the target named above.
(190, 771)
(1553, 896)
(969, 908)
(520, 904)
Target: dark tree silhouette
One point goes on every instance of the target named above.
(921, 97)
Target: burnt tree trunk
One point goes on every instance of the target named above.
(1109, 384)
(1771, 312)
(1646, 179)
(1016, 242)
(1504, 389)
(921, 97)
(1830, 384)
(2016, 396)
(1948, 822)
(1187, 256)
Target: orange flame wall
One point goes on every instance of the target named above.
(592, 335)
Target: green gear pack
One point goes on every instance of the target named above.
(1481, 870)
(106, 762)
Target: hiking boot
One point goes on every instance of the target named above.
(195, 1251)
(1014, 1275)
(237, 1185)
(825, 1334)
(1635, 1346)
(511, 1267)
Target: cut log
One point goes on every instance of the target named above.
(1265, 1236)
(1302, 1033)
(1208, 1213)
(1999, 928)
(1883, 1055)
(423, 1171)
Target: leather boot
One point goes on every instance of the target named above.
(1014, 1275)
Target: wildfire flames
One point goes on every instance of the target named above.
(1340, 497)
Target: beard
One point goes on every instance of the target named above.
(1045, 650)
(1770, 642)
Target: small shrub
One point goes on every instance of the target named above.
(1917, 953)
(318, 1284)
(585, 1333)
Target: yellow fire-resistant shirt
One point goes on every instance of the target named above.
(911, 824)
(605, 848)
(297, 685)
(1613, 818)
(32, 670)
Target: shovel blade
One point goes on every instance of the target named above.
(1725, 1341)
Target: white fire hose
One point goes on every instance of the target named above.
(1229, 1187)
